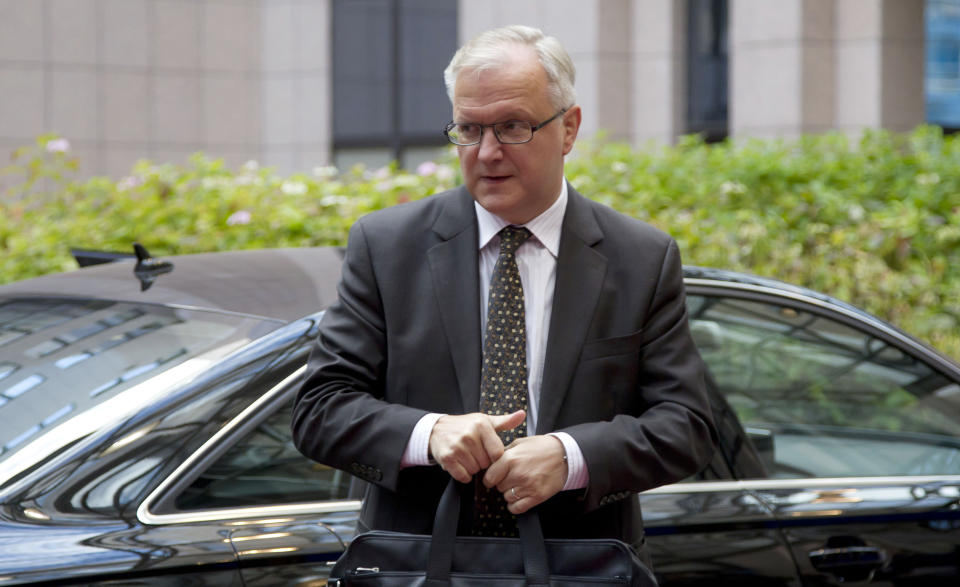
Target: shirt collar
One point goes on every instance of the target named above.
(545, 228)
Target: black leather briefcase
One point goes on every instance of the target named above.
(395, 559)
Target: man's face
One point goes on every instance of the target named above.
(515, 182)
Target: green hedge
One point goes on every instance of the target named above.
(874, 221)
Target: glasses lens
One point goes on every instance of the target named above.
(464, 134)
(514, 131)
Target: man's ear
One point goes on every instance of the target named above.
(571, 126)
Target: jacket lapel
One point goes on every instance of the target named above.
(580, 274)
(453, 264)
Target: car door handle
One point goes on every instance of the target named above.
(849, 562)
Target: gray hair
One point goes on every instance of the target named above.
(492, 48)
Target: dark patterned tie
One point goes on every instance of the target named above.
(503, 381)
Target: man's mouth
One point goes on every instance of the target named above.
(495, 178)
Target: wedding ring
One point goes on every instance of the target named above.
(513, 492)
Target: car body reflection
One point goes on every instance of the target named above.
(160, 452)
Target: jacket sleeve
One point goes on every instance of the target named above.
(673, 435)
(340, 417)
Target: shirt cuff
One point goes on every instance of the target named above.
(417, 452)
(577, 475)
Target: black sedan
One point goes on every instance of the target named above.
(144, 435)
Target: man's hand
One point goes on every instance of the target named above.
(464, 445)
(531, 471)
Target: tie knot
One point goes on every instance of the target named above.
(511, 237)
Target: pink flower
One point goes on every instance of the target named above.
(445, 172)
(239, 217)
(427, 168)
(129, 182)
(58, 146)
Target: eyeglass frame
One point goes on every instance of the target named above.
(533, 129)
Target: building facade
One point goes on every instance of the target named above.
(301, 83)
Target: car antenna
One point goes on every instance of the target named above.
(148, 269)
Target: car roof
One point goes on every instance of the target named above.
(263, 281)
(283, 284)
(725, 276)
(289, 283)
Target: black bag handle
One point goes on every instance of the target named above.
(535, 566)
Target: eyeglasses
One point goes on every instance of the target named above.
(511, 132)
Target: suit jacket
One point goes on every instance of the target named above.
(621, 373)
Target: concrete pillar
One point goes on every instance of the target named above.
(296, 71)
(880, 57)
(659, 66)
(782, 67)
(613, 81)
(597, 35)
(124, 79)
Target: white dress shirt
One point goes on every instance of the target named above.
(537, 262)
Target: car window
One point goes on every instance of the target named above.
(821, 399)
(264, 468)
(60, 357)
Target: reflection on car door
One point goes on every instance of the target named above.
(709, 531)
(899, 533)
(291, 550)
(859, 435)
(288, 549)
(285, 518)
(706, 534)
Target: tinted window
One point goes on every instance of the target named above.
(264, 468)
(108, 458)
(821, 399)
(64, 357)
(942, 74)
(707, 58)
(389, 99)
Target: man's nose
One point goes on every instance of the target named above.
(490, 147)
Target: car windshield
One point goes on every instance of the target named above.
(62, 357)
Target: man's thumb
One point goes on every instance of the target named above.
(508, 421)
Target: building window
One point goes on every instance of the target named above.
(389, 102)
(707, 69)
(942, 81)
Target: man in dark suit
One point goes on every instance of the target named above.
(607, 397)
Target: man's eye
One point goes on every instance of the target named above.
(511, 125)
(467, 129)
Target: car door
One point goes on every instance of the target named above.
(286, 518)
(292, 547)
(858, 428)
(711, 532)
